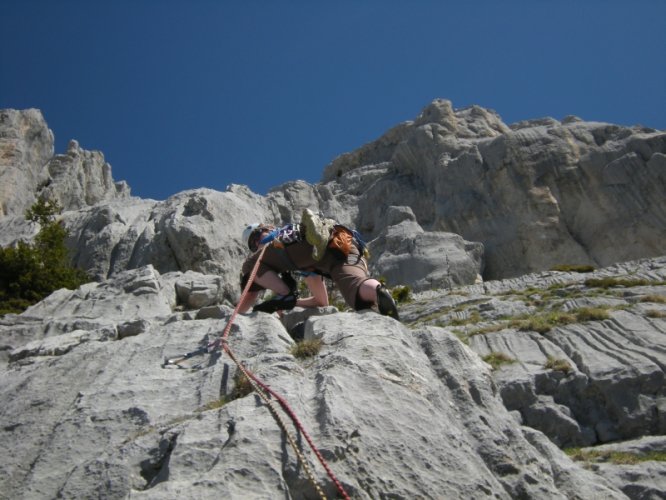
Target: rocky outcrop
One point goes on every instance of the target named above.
(533, 195)
(81, 178)
(26, 145)
(89, 408)
(196, 230)
(635, 478)
(28, 168)
(578, 356)
(423, 260)
(536, 194)
(199, 230)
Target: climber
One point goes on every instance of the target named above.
(312, 247)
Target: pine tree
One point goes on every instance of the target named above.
(30, 272)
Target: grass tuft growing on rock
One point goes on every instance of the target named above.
(546, 321)
(573, 268)
(615, 457)
(610, 282)
(497, 359)
(592, 314)
(306, 348)
(558, 364)
(242, 387)
(657, 299)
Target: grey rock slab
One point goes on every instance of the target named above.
(393, 411)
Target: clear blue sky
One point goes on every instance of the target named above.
(181, 94)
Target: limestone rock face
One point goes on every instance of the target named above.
(522, 198)
(641, 480)
(595, 376)
(196, 230)
(472, 395)
(424, 260)
(89, 408)
(29, 169)
(26, 145)
(81, 178)
(536, 194)
(200, 230)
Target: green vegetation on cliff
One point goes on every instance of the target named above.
(29, 272)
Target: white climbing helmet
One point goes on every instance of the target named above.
(247, 232)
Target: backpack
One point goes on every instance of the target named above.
(342, 239)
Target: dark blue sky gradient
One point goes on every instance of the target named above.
(204, 93)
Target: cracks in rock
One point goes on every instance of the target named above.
(231, 431)
(224, 381)
(155, 470)
(642, 349)
(179, 265)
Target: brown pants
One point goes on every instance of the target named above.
(347, 274)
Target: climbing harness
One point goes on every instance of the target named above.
(265, 391)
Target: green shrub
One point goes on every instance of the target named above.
(402, 294)
(31, 272)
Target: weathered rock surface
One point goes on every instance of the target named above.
(595, 380)
(89, 410)
(81, 178)
(532, 195)
(402, 410)
(536, 194)
(199, 230)
(194, 230)
(29, 169)
(610, 382)
(642, 479)
(423, 260)
(26, 145)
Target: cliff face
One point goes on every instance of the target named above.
(536, 194)
(504, 200)
(26, 145)
(473, 394)
(28, 168)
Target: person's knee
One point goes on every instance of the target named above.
(367, 292)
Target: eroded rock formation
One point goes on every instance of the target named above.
(399, 410)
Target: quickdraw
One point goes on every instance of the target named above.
(265, 391)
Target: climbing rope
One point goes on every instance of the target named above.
(278, 418)
(264, 390)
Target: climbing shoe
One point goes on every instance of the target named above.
(386, 304)
(279, 303)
